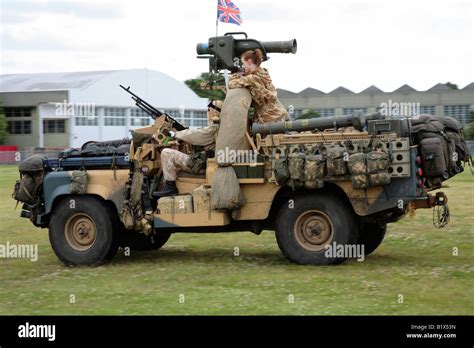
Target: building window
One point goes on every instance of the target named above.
(114, 121)
(16, 123)
(325, 112)
(298, 112)
(200, 114)
(459, 112)
(427, 109)
(17, 112)
(54, 126)
(185, 122)
(19, 127)
(188, 118)
(294, 113)
(350, 111)
(114, 117)
(86, 121)
(139, 121)
(200, 118)
(175, 113)
(199, 122)
(118, 112)
(139, 118)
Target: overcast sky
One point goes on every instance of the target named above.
(340, 42)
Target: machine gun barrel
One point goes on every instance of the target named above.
(357, 120)
(151, 110)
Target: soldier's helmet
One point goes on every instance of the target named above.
(213, 111)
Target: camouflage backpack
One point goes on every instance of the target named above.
(27, 189)
(314, 168)
(442, 147)
(336, 166)
(296, 165)
(357, 166)
(280, 170)
(377, 168)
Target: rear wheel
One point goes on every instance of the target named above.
(81, 231)
(307, 225)
(371, 236)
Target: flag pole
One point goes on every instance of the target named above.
(215, 41)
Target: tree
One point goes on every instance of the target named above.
(469, 131)
(471, 117)
(3, 126)
(310, 113)
(195, 85)
(452, 85)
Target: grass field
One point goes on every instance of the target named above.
(415, 260)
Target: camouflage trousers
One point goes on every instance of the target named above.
(172, 161)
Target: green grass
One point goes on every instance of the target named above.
(415, 260)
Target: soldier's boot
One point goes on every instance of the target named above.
(168, 190)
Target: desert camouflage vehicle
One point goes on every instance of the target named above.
(316, 182)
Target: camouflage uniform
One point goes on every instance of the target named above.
(205, 136)
(173, 161)
(267, 106)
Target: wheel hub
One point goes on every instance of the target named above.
(313, 230)
(80, 232)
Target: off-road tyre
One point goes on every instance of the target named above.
(371, 236)
(81, 231)
(307, 224)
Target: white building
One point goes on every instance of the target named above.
(70, 108)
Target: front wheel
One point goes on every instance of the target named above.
(308, 226)
(81, 231)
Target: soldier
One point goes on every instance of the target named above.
(172, 161)
(257, 80)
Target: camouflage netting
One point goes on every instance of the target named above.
(226, 193)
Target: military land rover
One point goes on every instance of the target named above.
(315, 182)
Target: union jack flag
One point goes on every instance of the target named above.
(227, 12)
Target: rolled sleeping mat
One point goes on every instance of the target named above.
(233, 124)
(226, 193)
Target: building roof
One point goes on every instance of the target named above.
(371, 89)
(440, 87)
(308, 92)
(284, 93)
(102, 87)
(405, 89)
(50, 81)
(341, 90)
(469, 87)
